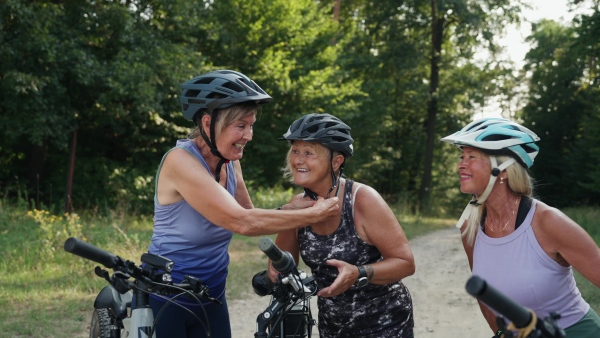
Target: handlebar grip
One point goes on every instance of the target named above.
(282, 261)
(88, 251)
(480, 289)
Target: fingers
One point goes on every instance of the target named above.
(344, 280)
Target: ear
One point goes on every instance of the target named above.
(337, 162)
(205, 123)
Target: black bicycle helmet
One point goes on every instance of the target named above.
(327, 130)
(219, 89)
(322, 128)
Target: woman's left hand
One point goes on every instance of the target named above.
(347, 274)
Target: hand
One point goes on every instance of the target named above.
(347, 274)
(298, 202)
(327, 208)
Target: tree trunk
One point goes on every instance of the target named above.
(437, 30)
(36, 163)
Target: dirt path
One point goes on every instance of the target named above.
(442, 307)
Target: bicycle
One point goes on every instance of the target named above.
(111, 318)
(288, 314)
(522, 319)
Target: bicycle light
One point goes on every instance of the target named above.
(158, 262)
(262, 284)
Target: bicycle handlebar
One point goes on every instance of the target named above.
(294, 286)
(480, 289)
(91, 252)
(156, 275)
(520, 316)
(282, 261)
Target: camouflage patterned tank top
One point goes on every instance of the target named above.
(372, 311)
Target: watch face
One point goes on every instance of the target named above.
(362, 282)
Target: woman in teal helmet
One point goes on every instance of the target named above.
(518, 244)
(201, 199)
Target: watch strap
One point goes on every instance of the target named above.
(362, 272)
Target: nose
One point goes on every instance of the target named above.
(297, 158)
(462, 164)
(248, 134)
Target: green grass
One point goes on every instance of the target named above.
(47, 292)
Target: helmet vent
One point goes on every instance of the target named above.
(312, 129)
(205, 80)
(476, 125)
(233, 86)
(192, 93)
(528, 149)
(214, 95)
(496, 137)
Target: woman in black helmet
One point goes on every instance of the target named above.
(360, 256)
(201, 198)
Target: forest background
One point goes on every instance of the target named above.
(89, 92)
(89, 103)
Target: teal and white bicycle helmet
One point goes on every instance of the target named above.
(498, 136)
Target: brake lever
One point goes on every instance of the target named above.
(200, 289)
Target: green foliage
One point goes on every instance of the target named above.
(55, 230)
(270, 198)
(563, 109)
(103, 79)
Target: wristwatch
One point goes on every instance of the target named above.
(362, 279)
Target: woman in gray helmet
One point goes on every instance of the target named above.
(360, 256)
(518, 244)
(201, 199)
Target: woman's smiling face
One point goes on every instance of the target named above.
(474, 171)
(309, 162)
(233, 139)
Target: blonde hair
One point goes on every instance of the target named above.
(226, 116)
(519, 182)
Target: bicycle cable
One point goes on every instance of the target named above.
(171, 301)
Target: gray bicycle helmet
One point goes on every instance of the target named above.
(498, 136)
(219, 89)
(213, 91)
(322, 128)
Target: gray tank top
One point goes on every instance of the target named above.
(197, 246)
(372, 311)
(517, 266)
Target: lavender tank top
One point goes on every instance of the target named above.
(197, 246)
(517, 266)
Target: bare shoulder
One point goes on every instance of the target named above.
(551, 220)
(366, 195)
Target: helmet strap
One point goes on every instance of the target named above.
(219, 166)
(212, 144)
(335, 182)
